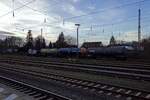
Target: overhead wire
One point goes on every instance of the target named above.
(99, 11)
(91, 28)
(45, 19)
(127, 20)
(85, 14)
(17, 8)
(133, 18)
(39, 11)
(103, 10)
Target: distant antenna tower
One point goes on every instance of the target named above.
(103, 30)
(44, 20)
(63, 21)
(139, 25)
(91, 28)
(41, 32)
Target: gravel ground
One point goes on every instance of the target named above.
(56, 87)
(7, 92)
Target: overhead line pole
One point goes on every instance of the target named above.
(139, 25)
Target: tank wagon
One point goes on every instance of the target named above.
(48, 52)
(109, 51)
(68, 52)
(33, 52)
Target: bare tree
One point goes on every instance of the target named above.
(146, 44)
(12, 42)
(70, 40)
(40, 42)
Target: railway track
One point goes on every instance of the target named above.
(96, 87)
(104, 62)
(133, 73)
(35, 92)
(47, 61)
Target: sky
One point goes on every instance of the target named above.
(99, 19)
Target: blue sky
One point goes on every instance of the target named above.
(111, 17)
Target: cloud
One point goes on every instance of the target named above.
(91, 7)
(26, 19)
(54, 12)
(75, 1)
(72, 10)
(4, 34)
(129, 36)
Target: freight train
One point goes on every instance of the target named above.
(117, 51)
(108, 51)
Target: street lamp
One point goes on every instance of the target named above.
(78, 25)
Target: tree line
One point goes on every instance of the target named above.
(37, 42)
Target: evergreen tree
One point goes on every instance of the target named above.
(60, 43)
(43, 43)
(29, 40)
(112, 41)
(50, 45)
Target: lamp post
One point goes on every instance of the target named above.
(78, 25)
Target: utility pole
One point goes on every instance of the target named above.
(139, 25)
(78, 25)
